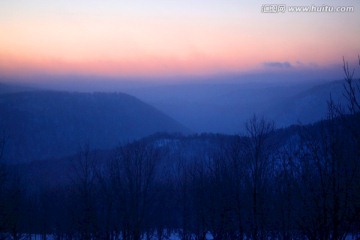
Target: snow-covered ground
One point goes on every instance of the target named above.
(169, 236)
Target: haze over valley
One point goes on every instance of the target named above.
(179, 120)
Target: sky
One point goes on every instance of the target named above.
(163, 38)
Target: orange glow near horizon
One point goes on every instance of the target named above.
(204, 41)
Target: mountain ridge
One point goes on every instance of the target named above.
(42, 124)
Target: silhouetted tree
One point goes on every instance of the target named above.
(3, 177)
(285, 198)
(107, 199)
(258, 148)
(14, 206)
(225, 192)
(200, 196)
(182, 185)
(329, 170)
(134, 173)
(234, 155)
(351, 89)
(84, 194)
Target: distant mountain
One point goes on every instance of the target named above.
(224, 108)
(45, 124)
(308, 106)
(10, 88)
(175, 147)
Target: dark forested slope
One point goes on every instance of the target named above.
(45, 124)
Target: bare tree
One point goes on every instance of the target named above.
(258, 148)
(3, 175)
(234, 155)
(285, 196)
(11, 200)
(84, 187)
(351, 88)
(200, 196)
(182, 181)
(107, 200)
(329, 179)
(14, 206)
(134, 173)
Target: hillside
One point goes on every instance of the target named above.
(224, 108)
(307, 106)
(13, 88)
(174, 177)
(174, 148)
(45, 124)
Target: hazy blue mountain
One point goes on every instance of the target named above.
(224, 108)
(175, 147)
(11, 88)
(308, 106)
(44, 124)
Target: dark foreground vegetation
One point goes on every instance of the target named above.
(302, 182)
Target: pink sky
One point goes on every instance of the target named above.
(131, 38)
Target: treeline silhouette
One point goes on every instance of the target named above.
(301, 182)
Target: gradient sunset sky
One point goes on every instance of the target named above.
(170, 37)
